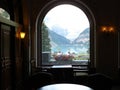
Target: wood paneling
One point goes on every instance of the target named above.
(5, 58)
(10, 57)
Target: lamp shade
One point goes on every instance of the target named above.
(22, 35)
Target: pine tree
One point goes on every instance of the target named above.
(45, 39)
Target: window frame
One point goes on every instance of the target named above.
(89, 14)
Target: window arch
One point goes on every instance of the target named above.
(40, 25)
(4, 13)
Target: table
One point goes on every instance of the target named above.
(65, 86)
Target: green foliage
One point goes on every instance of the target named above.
(45, 38)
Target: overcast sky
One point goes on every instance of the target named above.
(68, 17)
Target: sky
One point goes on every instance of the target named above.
(69, 17)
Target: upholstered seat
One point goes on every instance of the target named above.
(38, 80)
(99, 82)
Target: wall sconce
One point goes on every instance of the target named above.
(19, 33)
(22, 35)
(108, 29)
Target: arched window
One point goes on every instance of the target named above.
(65, 35)
(4, 13)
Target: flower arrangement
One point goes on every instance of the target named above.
(60, 56)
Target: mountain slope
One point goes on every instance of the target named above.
(83, 38)
(58, 39)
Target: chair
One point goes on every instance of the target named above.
(99, 82)
(38, 80)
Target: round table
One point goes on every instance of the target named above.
(65, 86)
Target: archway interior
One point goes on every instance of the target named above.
(65, 36)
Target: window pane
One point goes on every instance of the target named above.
(4, 13)
(65, 36)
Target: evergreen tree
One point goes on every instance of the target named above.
(45, 39)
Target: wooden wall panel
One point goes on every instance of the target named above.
(5, 58)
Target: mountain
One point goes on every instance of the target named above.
(59, 30)
(83, 38)
(59, 42)
(57, 39)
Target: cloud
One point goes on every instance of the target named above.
(68, 17)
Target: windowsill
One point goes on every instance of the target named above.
(62, 66)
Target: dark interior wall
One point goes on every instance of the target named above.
(107, 45)
(105, 13)
(25, 12)
(11, 64)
